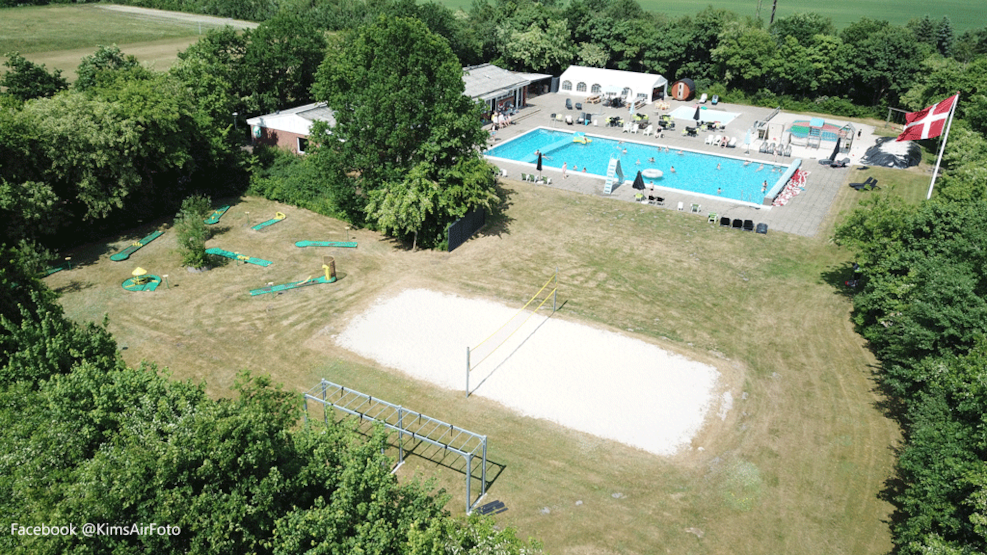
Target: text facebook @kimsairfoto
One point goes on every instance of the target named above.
(91, 529)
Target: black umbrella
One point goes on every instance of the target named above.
(836, 150)
(639, 181)
(696, 115)
(539, 162)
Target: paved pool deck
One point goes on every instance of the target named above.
(803, 215)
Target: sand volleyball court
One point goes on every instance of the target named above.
(581, 377)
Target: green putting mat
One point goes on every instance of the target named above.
(146, 282)
(295, 285)
(240, 257)
(214, 218)
(277, 218)
(125, 253)
(55, 269)
(344, 244)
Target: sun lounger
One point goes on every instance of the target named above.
(732, 143)
(568, 104)
(659, 201)
(711, 218)
(716, 99)
(724, 222)
(568, 120)
(579, 106)
(681, 206)
(869, 183)
(840, 163)
(648, 130)
(717, 139)
(738, 224)
(762, 228)
(580, 119)
(748, 225)
(709, 139)
(634, 128)
(696, 208)
(627, 127)
(763, 148)
(702, 99)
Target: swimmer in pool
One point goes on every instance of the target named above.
(671, 169)
(719, 191)
(652, 159)
(717, 166)
(747, 163)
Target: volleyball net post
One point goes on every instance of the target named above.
(553, 294)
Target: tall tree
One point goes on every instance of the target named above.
(26, 80)
(102, 65)
(281, 59)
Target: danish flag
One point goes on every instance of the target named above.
(929, 122)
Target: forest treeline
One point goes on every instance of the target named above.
(800, 58)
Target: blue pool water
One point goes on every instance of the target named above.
(694, 172)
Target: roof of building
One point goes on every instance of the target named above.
(487, 81)
(638, 83)
(295, 120)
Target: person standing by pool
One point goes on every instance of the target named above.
(564, 165)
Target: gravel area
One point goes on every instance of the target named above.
(581, 377)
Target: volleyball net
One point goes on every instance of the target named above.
(476, 356)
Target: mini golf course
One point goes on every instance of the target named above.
(343, 244)
(278, 216)
(295, 285)
(216, 215)
(239, 257)
(125, 253)
(146, 282)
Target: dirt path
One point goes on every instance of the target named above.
(180, 16)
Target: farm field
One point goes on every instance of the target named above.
(964, 14)
(796, 465)
(59, 36)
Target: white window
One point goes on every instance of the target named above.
(581, 87)
(596, 88)
(567, 85)
(302, 144)
(626, 91)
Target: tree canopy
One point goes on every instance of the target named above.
(397, 93)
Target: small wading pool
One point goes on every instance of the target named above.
(694, 172)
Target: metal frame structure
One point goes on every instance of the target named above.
(410, 425)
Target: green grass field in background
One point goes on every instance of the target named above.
(46, 28)
(964, 14)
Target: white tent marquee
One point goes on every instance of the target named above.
(588, 81)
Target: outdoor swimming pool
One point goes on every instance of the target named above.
(694, 172)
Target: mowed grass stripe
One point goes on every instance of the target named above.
(796, 466)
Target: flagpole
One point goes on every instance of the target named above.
(942, 147)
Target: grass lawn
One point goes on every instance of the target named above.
(59, 36)
(795, 467)
(964, 14)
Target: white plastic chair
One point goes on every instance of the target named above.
(649, 129)
(709, 139)
(681, 206)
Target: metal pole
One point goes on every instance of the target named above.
(467, 372)
(325, 413)
(555, 293)
(305, 401)
(400, 435)
(469, 475)
(483, 471)
(942, 148)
